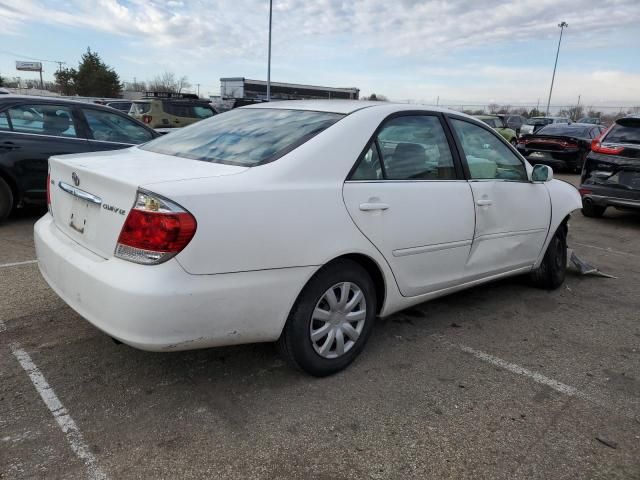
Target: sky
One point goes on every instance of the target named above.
(453, 51)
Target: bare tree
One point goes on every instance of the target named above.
(168, 82)
(493, 107)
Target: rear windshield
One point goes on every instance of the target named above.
(138, 108)
(189, 110)
(627, 131)
(539, 121)
(565, 129)
(245, 137)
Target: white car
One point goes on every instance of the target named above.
(297, 222)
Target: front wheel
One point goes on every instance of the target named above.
(551, 272)
(331, 320)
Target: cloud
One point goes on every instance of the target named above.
(409, 33)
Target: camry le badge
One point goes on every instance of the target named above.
(76, 179)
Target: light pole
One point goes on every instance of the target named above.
(269, 60)
(561, 25)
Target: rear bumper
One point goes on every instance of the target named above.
(161, 307)
(611, 201)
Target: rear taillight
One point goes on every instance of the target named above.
(584, 191)
(569, 144)
(147, 118)
(522, 142)
(155, 230)
(597, 147)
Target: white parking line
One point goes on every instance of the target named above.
(535, 376)
(15, 264)
(608, 250)
(66, 423)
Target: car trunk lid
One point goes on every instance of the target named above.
(91, 194)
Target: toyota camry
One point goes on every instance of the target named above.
(296, 222)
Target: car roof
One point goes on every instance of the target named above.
(485, 117)
(41, 100)
(348, 106)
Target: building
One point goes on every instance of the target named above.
(244, 88)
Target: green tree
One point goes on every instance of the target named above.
(94, 78)
(1, 81)
(66, 81)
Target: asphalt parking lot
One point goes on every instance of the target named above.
(501, 381)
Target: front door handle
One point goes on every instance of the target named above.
(484, 202)
(368, 207)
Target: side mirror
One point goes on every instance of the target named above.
(542, 173)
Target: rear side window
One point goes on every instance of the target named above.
(54, 120)
(4, 122)
(411, 148)
(627, 133)
(111, 127)
(188, 110)
(244, 137)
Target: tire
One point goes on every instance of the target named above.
(6, 200)
(296, 344)
(551, 272)
(592, 211)
(513, 142)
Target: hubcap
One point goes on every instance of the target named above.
(337, 320)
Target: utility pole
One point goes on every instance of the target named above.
(269, 59)
(562, 25)
(577, 107)
(198, 85)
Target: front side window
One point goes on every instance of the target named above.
(244, 137)
(111, 127)
(411, 148)
(54, 120)
(487, 156)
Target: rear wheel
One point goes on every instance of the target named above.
(6, 200)
(591, 210)
(331, 320)
(551, 272)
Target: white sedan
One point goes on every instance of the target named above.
(296, 222)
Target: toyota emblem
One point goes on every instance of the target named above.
(75, 178)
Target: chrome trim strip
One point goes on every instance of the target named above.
(493, 236)
(44, 135)
(76, 192)
(430, 248)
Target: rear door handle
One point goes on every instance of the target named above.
(484, 202)
(9, 146)
(368, 207)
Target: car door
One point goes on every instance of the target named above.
(408, 197)
(113, 130)
(512, 214)
(36, 132)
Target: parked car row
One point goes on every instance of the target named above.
(34, 128)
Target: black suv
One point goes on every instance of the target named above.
(611, 172)
(34, 128)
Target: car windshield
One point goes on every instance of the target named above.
(492, 122)
(539, 121)
(627, 131)
(245, 137)
(565, 130)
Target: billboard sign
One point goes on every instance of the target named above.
(29, 66)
